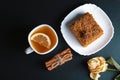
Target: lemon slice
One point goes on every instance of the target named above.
(42, 39)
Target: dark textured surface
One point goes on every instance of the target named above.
(19, 17)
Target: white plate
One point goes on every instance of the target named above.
(101, 18)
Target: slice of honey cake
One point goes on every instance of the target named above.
(86, 29)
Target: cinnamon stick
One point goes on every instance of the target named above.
(59, 59)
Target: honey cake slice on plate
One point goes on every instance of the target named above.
(100, 17)
(86, 29)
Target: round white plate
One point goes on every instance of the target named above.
(101, 18)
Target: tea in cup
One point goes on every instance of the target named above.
(42, 39)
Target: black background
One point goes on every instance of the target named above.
(19, 17)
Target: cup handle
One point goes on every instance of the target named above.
(28, 50)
